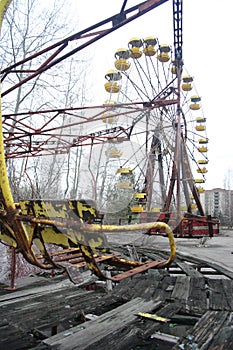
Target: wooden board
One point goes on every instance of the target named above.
(220, 294)
(85, 335)
(189, 269)
(191, 293)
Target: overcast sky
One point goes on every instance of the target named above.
(207, 52)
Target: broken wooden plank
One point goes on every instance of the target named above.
(190, 293)
(165, 288)
(197, 299)
(181, 289)
(220, 294)
(223, 340)
(188, 269)
(168, 338)
(208, 326)
(204, 331)
(89, 333)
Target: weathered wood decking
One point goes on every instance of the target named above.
(54, 313)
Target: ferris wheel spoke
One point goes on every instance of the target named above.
(165, 143)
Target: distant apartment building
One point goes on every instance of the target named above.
(218, 202)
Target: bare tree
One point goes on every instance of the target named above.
(28, 28)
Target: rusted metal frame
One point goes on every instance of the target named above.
(178, 143)
(48, 259)
(146, 266)
(23, 244)
(87, 251)
(71, 260)
(85, 33)
(185, 174)
(177, 28)
(191, 221)
(96, 117)
(191, 183)
(171, 189)
(102, 133)
(103, 259)
(90, 261)
(161, 173)
(13, 270)
(117, 21)
(65, 251)
(34, 150)
(163, 94)
(149, 178)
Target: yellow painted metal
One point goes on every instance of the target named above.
(202, 149)
(140, 195)
(202, 161)
(3, 7)
(122, 53)
(149, 51)
(200, 190)
(4, 182)
(124, 185)
(156, 210)
(164, 48)
(202, 170)
(109, 103)
(135, 42)
(7, 235)
(135, 52)
(108, 118)
(113, 75)
(200, 127)
(150, 40)
(163, 57)
(153, 317)
(174, 69)
(200, 120)
(195, 99)
(187, 79)
(113, 153)
(195, 106)
(124, 171)
(203, 140)
(199, 181)
(112, 87)
(122, 64)
(137, 209)
(187, 86)
(96, 228)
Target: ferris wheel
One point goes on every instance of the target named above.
(163, 161)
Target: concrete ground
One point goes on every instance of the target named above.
(218, 249)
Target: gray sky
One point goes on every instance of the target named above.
(207, 52)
